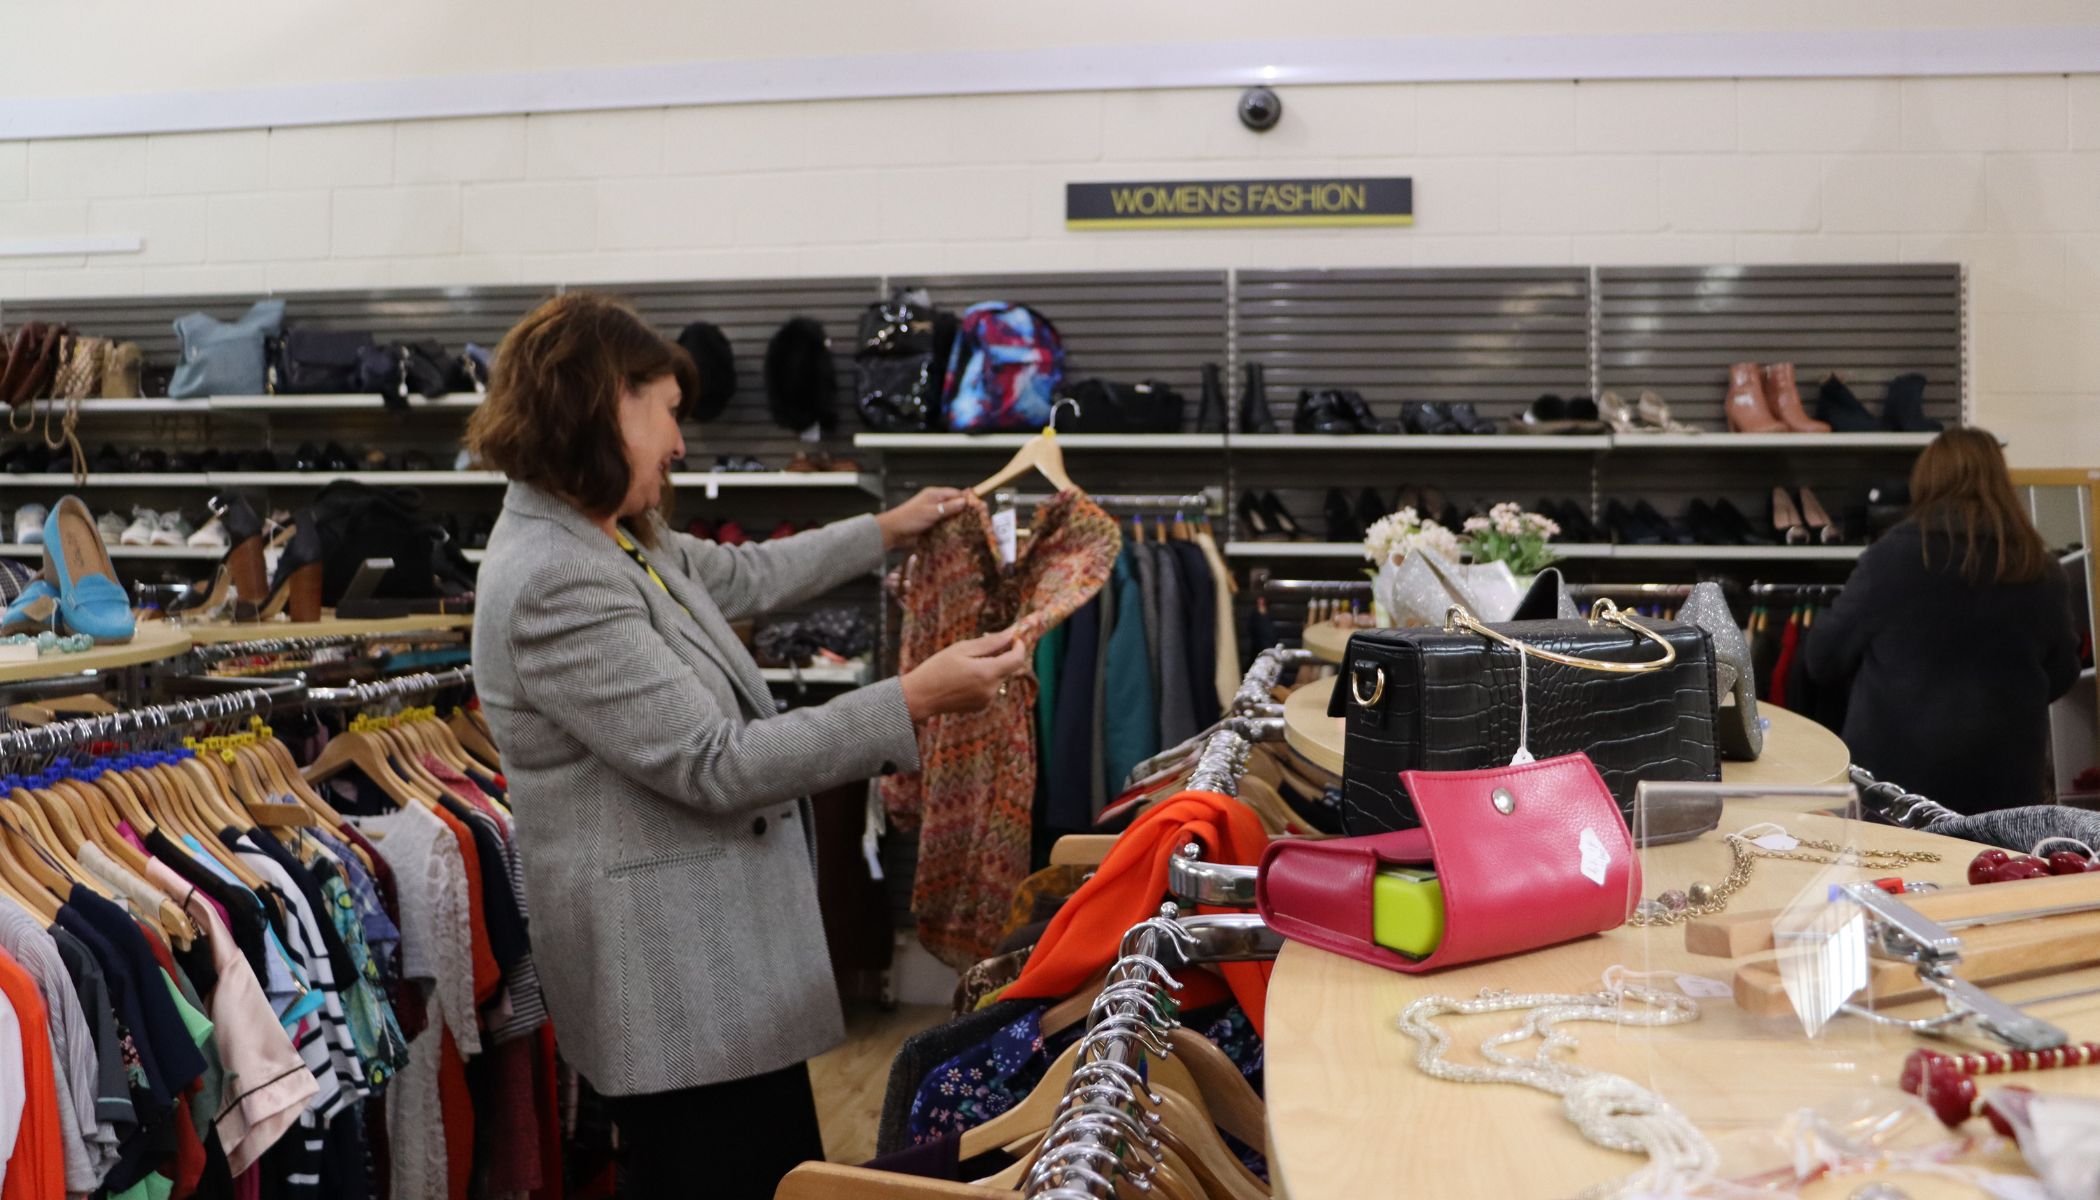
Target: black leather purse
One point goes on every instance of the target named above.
(315, 361)
(1637, 696)
(1146, 407)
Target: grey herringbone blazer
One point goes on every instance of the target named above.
(660, 802)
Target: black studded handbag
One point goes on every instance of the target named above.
(1637, 696)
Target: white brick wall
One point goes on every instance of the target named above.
(2000, 174)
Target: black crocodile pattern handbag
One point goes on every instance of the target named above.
(1637, 696)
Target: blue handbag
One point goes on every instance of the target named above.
(225, 358)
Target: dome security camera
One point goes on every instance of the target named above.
(1260, 109)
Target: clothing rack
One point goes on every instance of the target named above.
(1795, 591)
(1317, 587)
(219, 652)
(1207, 502)
(247, 700)
(399, 687)
(1661, 591)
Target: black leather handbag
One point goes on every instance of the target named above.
(315, 361)
(1637, 696)
(399, 370)
(1104, 407)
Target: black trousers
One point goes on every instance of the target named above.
(724, 1141)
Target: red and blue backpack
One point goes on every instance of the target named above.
(1004, 369)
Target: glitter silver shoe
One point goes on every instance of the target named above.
(1739, 731)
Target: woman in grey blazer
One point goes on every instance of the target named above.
(661, 803)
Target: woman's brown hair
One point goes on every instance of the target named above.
(552, 414)
(1961, 490)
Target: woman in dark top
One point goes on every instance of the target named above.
(1956, 631)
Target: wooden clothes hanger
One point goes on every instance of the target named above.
(474, 740)
(833, 1181)
(357, 748)
(1040, 454)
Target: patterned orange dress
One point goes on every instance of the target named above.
(974, 794)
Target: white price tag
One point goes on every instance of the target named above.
(1596, 860)
(1776, 841)
(1701, 988)
(1005, 528)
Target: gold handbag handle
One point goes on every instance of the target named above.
(1602, 612)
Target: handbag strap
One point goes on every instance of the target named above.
(1604, 612)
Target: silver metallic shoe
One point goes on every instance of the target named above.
(1739, 731)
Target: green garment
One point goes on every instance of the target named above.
(1049, 661)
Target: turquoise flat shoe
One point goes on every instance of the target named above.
(90, 600)
(34, 611)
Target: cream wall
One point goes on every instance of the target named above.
(2002, 174)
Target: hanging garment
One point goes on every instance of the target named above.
(36, 1161)
(1067, 756)
(1133, 736)
(1098, 795)
(1146, 559)
(1177, 715)
(1086, 934)
(1782, 669)
(1225, 665)
(1200, 612)
(1049, 666)
(973, 795)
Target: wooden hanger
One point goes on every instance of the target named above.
(26, 886)
(29, 854)
(1035, 1112)
(834, 1181)
(294, 784)
(1040, 454)
(1187, 1129)
(355, 748)
(474, 740)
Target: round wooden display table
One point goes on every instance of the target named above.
(156, 640)
(1327, 640)
(1797, 750)
(207, 635)
(1351, 1116)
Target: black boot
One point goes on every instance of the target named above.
(1370, 508)
(1904, 410)
(1322, 412)
(1838, 408)
(1210, 409)
(1255, 416)
(1353, 403)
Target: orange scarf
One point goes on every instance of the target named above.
(1086, 935)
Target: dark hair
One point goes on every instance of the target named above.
(552, 414)
(1961, 490)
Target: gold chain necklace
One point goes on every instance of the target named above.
(1705, 899)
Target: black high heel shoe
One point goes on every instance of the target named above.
(297, 584)
(1739, 528)
(1255, 524)
(1672, 531)
(242, 572)
(1627, 527)
(1281, 517)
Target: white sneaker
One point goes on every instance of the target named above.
(210, 536)
(144, 523)
(29, 524)
(111, 526)
(173, 530)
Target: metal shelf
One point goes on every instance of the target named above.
(1010, 441)
(1739, 553)
(1568, 550)
(352, 402)
(207, 553)
(323, 478)
(850, 675)
(714, 481)
(139, 406)
(1427, 443)
(1770, 441)
(125, 479)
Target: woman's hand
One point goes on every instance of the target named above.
(902, 525)
(964, 677)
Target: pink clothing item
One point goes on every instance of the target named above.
(268, 1085)
(125, 831)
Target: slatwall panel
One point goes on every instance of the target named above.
(1676, 330)
(1117, 326)
(1494, 337)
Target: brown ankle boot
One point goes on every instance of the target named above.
(1786, 400)
(1748, 412)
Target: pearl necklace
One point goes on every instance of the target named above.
(1610, 1110)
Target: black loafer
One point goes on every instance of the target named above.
(1322, 413)
(1352, 402)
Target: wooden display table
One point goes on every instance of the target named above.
(208, 635)
(156, 640)
(1350, 1115)
(1326, 640)
(1797, 750)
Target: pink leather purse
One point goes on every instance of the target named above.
(1527, 856)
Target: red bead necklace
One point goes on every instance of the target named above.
(1947, 1082)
